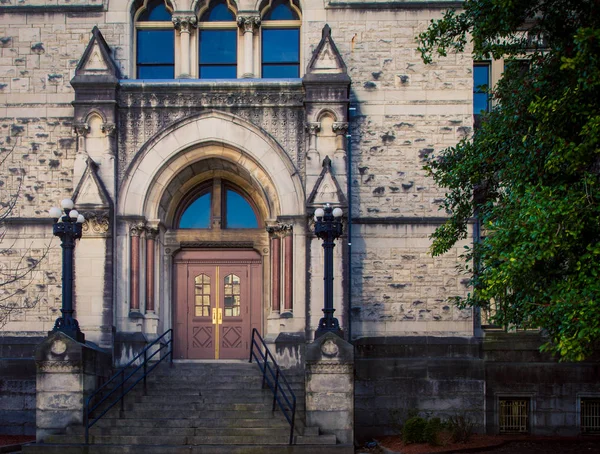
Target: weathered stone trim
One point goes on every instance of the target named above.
(393, 5)
(401, 220)
(43, 9)
(26, 221)
(331, 368)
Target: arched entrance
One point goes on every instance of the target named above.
(218, 288)
(207, 261)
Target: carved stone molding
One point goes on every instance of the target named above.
(340, 127)
(214, 98)
(279, 230)
(313, 128)
(71, 366)
(81, 129)
(151, 233)
(137, 229)
(185, 23)
(96, 223)
(108, 128)
(330, 368)
(248, 23)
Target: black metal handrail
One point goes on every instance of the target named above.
(122, 385)
(273, 378)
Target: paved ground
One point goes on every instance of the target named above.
(551, 447)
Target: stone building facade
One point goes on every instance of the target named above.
(352, 129)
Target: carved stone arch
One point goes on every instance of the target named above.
(253, 149)
(326, 112)
(138, 6)
(263, 5)
(200, 6)
(94, 113)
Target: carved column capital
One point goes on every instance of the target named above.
(108, 128)
(137, 229)
(249, 23)
(279, 230)
(185, 23)
(313, 128)
(81, 129)
(151, 233)
(340, 127)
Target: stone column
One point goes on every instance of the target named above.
(330, 387)
(134, 271)
(150, 261)
(184, 24)
(67, 373)
(276, 273)
(313, 129)
(288, 271)
(249, 24)
(81, 131)
(339, 156)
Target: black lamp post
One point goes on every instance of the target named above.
(67, 226)
(328, 227)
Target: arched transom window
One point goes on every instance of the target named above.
(217, 204)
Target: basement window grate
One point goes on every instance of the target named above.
(590, 415)
(514, 415)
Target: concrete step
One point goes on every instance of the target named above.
(149, 440)
(183, 431)
(217, 414)
(153, 423)
(184, 449)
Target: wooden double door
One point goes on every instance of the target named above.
(217, 300)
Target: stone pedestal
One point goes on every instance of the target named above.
(67, 372)
(330, 387)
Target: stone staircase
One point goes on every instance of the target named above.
(207, 407)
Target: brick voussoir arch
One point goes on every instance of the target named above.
(147, 174)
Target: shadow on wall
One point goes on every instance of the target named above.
(17, 385)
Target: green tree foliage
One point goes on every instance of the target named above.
(531, 172)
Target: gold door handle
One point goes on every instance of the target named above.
(214, 316)
(220, 316)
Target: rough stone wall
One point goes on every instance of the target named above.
(17, 385)
(515, 368)
(405, 111)
(399, 289)
(432, 376)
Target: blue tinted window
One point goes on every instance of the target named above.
(481, 81)
(240, 214)
(218, 54)
(197, 215)
(155, 54)
(155, 72)
(280, 52)
(155, 46)
(218, 72)
(280, 71)
(281, 45)
(281, 10)
(156, 11)
(218, 12)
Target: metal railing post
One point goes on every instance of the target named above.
(86, 421)
(276, 386)
(145, 372)
(122, 392)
